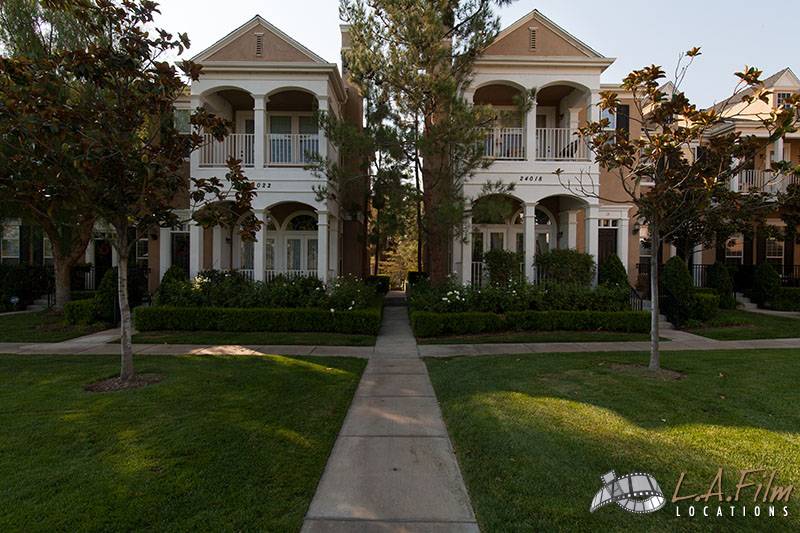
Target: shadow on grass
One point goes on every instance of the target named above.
(222, 443)
(533, 434)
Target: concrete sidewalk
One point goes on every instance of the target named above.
(392, 467)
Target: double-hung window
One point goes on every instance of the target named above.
(9, 248)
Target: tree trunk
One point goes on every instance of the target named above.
(377, 250)
(63, 280)
(655, 307)
(419, 196)
(126, 345)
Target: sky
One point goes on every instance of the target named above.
(732, 33)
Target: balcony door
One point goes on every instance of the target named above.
(294, 138)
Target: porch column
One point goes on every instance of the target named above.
(623, 236)
(194, 157)
(323, 139)
(164, 251)
(591, 236)
(466, 251)
(778, 150)
(216, 251)
(333, 244)
(258, 248)
(195, 249)
(530, 241)
(530, 133)
(322, 245)
(260, 129)
(594, 110)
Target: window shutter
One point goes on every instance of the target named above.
(624, 118)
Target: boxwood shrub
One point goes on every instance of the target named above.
(426, 324)
(786, 299)
(359, 321)
(81, 312)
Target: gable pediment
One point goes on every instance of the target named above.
(258, 41)
(786, 80)
(535, 35)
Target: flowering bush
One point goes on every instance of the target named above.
(215, 288)
(516, 296)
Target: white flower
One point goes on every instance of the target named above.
(332, 310)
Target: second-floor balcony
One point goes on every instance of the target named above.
(551, 144)
(280, 149)
(762, 181)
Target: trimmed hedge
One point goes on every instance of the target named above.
(704, 305)
(786, 299)
(81, 312)
(426, 324)
(361, 321)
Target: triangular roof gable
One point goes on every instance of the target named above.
(783, 78)
(566, 42)
(239, 45)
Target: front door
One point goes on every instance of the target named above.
(606, 244)
(102, 260)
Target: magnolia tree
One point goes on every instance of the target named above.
(675, 189)
(130, 164)
(45, 110)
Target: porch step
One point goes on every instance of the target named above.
(745, 302)
(36, 307)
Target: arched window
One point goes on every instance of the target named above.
(302, 222)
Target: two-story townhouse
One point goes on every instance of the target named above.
(745, 118)
(560, 195)
(269, 86)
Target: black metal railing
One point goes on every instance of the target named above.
(635, 299)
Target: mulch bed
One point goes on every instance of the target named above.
(116, 384)
(643, 371)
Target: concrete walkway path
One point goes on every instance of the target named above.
(392, 467)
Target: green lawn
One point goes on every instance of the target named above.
(222, 443)
(241, 338)
(44, 326)
(539, 336)
(533, 434)
(732, 325)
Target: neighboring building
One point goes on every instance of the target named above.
(536, 54)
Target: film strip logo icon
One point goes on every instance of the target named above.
(637, 493)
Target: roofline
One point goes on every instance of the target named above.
(577, 61)
(258, 19)
(585, 48)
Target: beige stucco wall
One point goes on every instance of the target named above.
(275, 49)
(548, 43)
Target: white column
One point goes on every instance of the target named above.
(164, 251)
(322, 245)
(466, 251)
(530, 241)
(216, 251)
(323, 139)
(697, 259)
(333, 245)
(258, 248)
(530, 133)
(778, 150)
(594, 110)
(260, 129)
(88, 255)
(195, 249)
(572, 235)
(591, 235)
(623, 239)
(194, 158)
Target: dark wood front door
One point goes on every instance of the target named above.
(606, 244)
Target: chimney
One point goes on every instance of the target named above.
(346, 42)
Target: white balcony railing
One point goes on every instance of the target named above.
(762, 181)
(215, 153)
(292, 148)
(505, 143)
(269, 275)
(560, 144)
